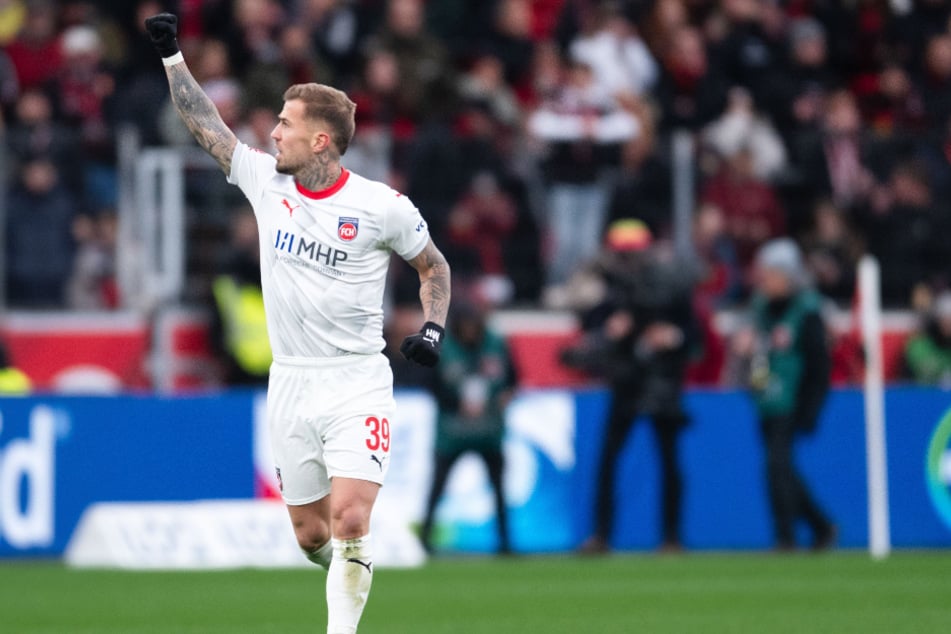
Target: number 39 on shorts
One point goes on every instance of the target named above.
(379, 430)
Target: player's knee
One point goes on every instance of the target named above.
(311, 533)
(350, 521)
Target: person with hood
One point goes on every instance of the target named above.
(785, 347)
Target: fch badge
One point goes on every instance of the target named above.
(347, 228)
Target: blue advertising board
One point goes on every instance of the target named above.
(725, 500)
(58, 455)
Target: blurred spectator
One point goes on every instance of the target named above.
(240, 330)
(912, 25)
(475, 381)
(691, 92)
(422, 61)
(832, 253)
(936, 79)
(836, 160)
(621, 63)
(749, 51)
(296, 62)
(785, 346)
(750, 205)
(485, 83)
(721, 282)
(334, 29)
(639, 336)
(665, 20)
(13, 381)
(583, 129)
(141, 87)
(92, 285)
(797, 94)
(895, 106)
(907, 231)
(40, 246)
(35, 132)
(643, 187)
(255, 129)
(252, 34)
(548, 72)
(511, 39)
(35, 52)
(740, 126)
(927, 355)
(84, 88)
(480, 225)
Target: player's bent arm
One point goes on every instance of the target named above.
(434, 283)
(200, 115)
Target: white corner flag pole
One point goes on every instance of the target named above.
(879, 537)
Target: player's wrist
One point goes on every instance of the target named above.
(433, 332)
(175, 58)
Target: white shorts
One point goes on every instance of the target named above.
(328, 418)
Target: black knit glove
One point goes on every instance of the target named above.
(163, 29)
(423, 347)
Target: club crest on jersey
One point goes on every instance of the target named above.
(347, 228)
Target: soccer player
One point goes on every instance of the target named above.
(326, 236)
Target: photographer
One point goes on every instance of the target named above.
(785, 348)
(638, 338)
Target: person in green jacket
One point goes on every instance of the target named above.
(473, 385)
(789, 366)
(927, 358)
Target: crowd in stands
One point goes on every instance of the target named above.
(521, 128)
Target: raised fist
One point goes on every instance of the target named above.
(424, 346)
(163, 31)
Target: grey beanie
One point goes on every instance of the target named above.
(783, 255)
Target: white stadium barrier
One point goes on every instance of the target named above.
(207, 535)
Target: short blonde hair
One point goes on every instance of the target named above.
(326, 103)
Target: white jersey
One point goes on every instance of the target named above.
(324, 255)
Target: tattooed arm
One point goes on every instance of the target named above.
(433, 283)
(200, 115)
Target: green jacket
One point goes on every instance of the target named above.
(469, 386)
(777, 392)
(928, 362)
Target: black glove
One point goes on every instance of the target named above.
(423, 347)
(163, 29)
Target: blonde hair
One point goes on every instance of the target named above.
(327, 104)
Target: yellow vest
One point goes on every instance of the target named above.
(245, 327)
(13, 382)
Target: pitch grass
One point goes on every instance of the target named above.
(708, 593)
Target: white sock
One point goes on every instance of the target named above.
(321, 555)
(348, 583)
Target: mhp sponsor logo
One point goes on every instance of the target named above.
(311, 250)
(27, 472)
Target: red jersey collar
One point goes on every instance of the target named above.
(325, 193)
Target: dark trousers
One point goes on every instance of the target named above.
(621, 419)
(495, 465)
(789, 497)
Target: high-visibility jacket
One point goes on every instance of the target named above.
(14, 382)
(245, 328)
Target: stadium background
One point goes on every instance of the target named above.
(824, 121)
